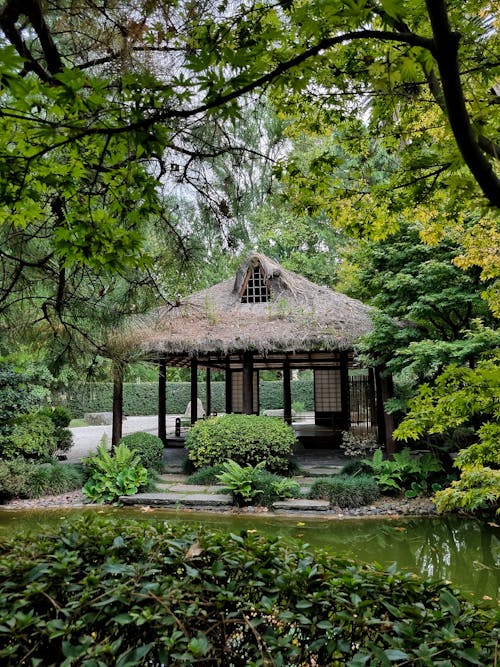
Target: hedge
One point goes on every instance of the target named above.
(114, 592)
(142, 398)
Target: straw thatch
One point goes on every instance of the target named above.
(300, 316)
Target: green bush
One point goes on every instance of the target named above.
(22, 479)
(345, 490)
(148, 447)
(113, 475)
(98, 591)
(61, 418)
(207, 475)
(246, 439)
(32, 436)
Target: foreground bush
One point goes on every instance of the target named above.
(148, 447)
(246, 439)
(24, 479)
(104, 592)
(345, 490)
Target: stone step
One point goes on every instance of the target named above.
(179, 499)
(302, 505)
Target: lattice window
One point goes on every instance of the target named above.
(257, 288)
(327, 390)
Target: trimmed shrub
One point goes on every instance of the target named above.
(32, 436)
(346, 491)
(22, 479)
(128, 593)
(148, 447)
(246, 439)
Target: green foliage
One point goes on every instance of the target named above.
(346, 490)
(403, 470)
(246, 439)
(21, 390)
(457, 396)
(207, 475)
(22, 479)
(253, 485)
(113, 475)
(148, 447)
(477, 490)
(32, 436)
(61, 418)
(484, 453)
(462, 396)
(241, 481)
(124, 589)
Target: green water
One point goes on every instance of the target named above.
(463, 551)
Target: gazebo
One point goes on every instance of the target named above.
(264, 318)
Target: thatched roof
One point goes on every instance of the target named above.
(299, 316)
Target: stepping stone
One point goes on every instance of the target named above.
(302, 505)
(173, 499)
(193, 488)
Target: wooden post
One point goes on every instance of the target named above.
(229, 387)
(345, 398)
(208, 393)
(116, 433)
(287, 392)
(372, 400)
(194, 390)
(162, 399)
(385, 422)
(247, 383)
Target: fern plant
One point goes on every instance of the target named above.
(113, 475)
(403, 470)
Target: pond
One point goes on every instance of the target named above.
(463, 551)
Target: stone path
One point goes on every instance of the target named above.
(174, 492)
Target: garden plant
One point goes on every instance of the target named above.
(100, 591)
(245, 439)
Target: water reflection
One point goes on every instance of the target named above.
(464, 551)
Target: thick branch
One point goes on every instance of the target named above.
(10, 13)
(446, 53)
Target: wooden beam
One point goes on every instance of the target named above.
(116, 433)
(162, 400)
(287, 392)
(194, 390)
(247, 383)
(385, 422)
